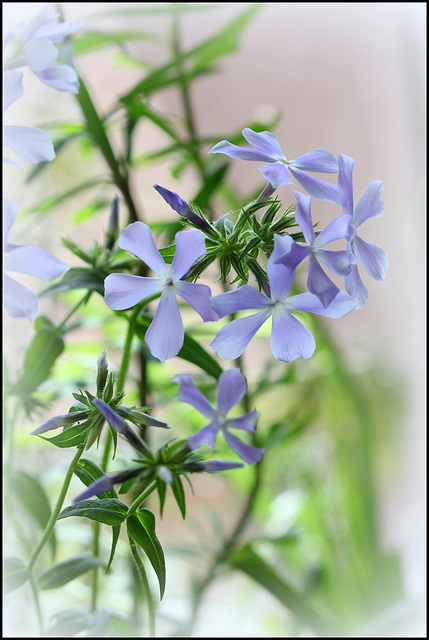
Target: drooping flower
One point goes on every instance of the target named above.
(370, 205)
(18, 300)
(338, 262)
(267, 149)
(232, 386)
(165, 334)
(38, 36)
(289, 337)
(181, 207)
(29, 143)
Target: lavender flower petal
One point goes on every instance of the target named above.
(370, 204)
(123, 290)
(303, 216)
(213, 466)
(374, 259)
(35, 261)
(342, 304)
(277, 174)
(137, 238)
(338, 262)
(61, 77)
(290, 338)
(40, 52)
(345, 183)
(234, 337)
(189, 392)
(198, 296)
(247, 422)
(165, 334)
(101, 485)
(315, 187)
(190, 245)
(317, 160)
(281, 278)
(290, 253)
(111, 416)
(18, 300)
(233, 151)
(206, 435)
(319, 283)
(356, 288)
(12, 87)
(245, 297)
(264, 141)
(29, 143)
(337, 229)
(245, 451)
(231, 387)
(59, 421)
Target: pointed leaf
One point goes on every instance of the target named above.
(105, 510)
(64, 572)
(41, 355)
(141, 528)
(77, 278)
(179, 494)
(71, 437)
(15, 573)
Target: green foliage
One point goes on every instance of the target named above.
(105, 510)
(64, 572)
(141, 528)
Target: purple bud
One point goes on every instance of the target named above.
(181, 207)
(101, 485)
(59, 421)
(212, 466)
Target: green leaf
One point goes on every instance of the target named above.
(41, 355)
(252, 564)
(214, 177)
(88, 471)
(90, 40)
(105, 510)
(179, 494)
(77, 278)
(15, 573)
(191, 351)
(64, 572)
(33, 498)
(50, 203)
(71, 437)
(141, 528)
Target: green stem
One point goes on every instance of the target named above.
(84, 300)
(95, 553)
(145, 584)
(52, 520)
(35, 594)
(137, 502)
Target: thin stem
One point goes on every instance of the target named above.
(35, 594)
(52, 520)
(141, 498)
(84, 300)
(95, 552)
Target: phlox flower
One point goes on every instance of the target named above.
(18, 300)
(38, 36)
(289, 337)
(370, 205)
(338, 262)
(232, 386)
(267, 149)
(29, 143)
(165, 334)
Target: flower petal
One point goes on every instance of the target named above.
(264, 141)
(319, 283)
(370, 204)
(245, 297)
(315, 187)
(337, 229)
(289, 252)
(303, 216)
(374, 259)
(206, 435)
(234, 337)
(59, 421)
(39, 53)
(198, 296)
(341, 305)
(29, 143)
(277, 174)
(190, 245)
(212, 466)
(231, 387)
(356, 288)
(137, 238)
(19, 301)
(10, 211)
(280, 276)
(35, 261)
(189, 392)
(12, 87)
(233, 151)
(245, 451)
(338, 262)
(317, 160)
(289, 337)
(123, 290)
(247, 422)
(345, 183)
(113, 418)
(61, 77)
(165, 334)
(101, 485)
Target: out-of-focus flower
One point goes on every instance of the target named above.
(289, 337)
(338, 262)
(267, 149)
(38, 36)
(29, 143)
(232, 386)
(165, 334)
(181, 207)
(19, 301)
(370, 205)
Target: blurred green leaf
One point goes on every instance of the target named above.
(41, 355)
(89, 39)
(77, 278)
(64, 572)
(214, 177)
(50, 203)
(141, 528)
(109, 511)
(15, 573)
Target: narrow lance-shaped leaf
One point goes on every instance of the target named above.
(41, 355)
(15, 573)
(64, 572)
(141, 528)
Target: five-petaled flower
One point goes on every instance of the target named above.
(267, 149)
(338, 262)
(165, 334)
(232, 386)
(289, 337)
(370, 205)
(18, 300)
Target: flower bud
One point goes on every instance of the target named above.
(102, 370)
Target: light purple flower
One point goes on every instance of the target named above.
(232, 386)
(38, 37)
(18, 300)
(338, 262)
(60, 421)
(29, 143)
(181, 207)
(289, 337)
(267, 149)
(165, 334)
(370, 205)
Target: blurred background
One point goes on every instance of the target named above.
(346, 77)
